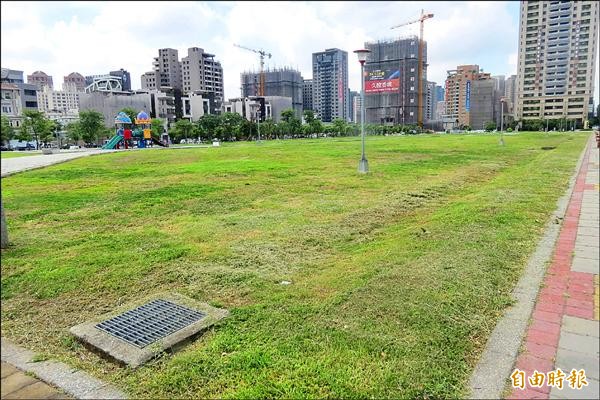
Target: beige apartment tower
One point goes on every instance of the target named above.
(459, 85)
(558, 41)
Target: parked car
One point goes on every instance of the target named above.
(4, 148)
(23, 147)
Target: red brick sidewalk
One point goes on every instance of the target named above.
(564, 292)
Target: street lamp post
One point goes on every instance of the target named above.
(502, 122)
(363, 165)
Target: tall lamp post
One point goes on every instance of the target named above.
(363, 165)
(502, 121)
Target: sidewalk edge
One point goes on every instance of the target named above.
(489, 377)
(72, 381)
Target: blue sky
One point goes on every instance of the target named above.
(96, 37)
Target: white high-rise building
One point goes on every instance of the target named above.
(557, 54)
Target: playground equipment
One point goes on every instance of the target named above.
(126, 134)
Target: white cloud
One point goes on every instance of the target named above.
(95, 37)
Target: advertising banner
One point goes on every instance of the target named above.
(468, 96)
(382, 80)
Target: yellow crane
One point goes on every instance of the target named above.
(421, 19)
(262, 54)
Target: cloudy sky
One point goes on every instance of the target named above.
(96, 37)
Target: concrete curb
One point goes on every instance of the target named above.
(74, 382)
(494, 367)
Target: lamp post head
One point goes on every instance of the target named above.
(362, 55)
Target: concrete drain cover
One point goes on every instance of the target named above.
(137, 332)
(150, 322)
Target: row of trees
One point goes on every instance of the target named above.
(561, 124)
(34, 127)
(231, 126)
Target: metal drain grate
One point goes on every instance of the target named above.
(152, 321)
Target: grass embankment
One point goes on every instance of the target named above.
(398, 277)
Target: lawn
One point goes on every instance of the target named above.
(14, 154)
(398, 277)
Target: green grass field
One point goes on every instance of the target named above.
(398, 277)
(13, 154)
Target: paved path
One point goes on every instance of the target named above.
(75, 383)
(564, 331)
(19, 164)
(16, 384)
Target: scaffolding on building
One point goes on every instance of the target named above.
(284, 82)
(401, 106)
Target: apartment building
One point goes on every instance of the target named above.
(430, 102)
(201, 72)
(74, 82)
(307, 94)
(41, 79)
(558, 43)
(510, 93)
(330, 84)
(166, 71)
(57, 100)
(458, 91)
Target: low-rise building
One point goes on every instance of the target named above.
(197, 104)
(11, 103)
(110, 103)
(28, 91)
(255, 107)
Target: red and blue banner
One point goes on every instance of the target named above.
(382, 81)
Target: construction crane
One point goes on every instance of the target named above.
(262, 54)
(421, 19)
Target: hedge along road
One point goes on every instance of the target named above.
(397, 277)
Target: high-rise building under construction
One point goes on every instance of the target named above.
(391, 81)
(284, 82)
